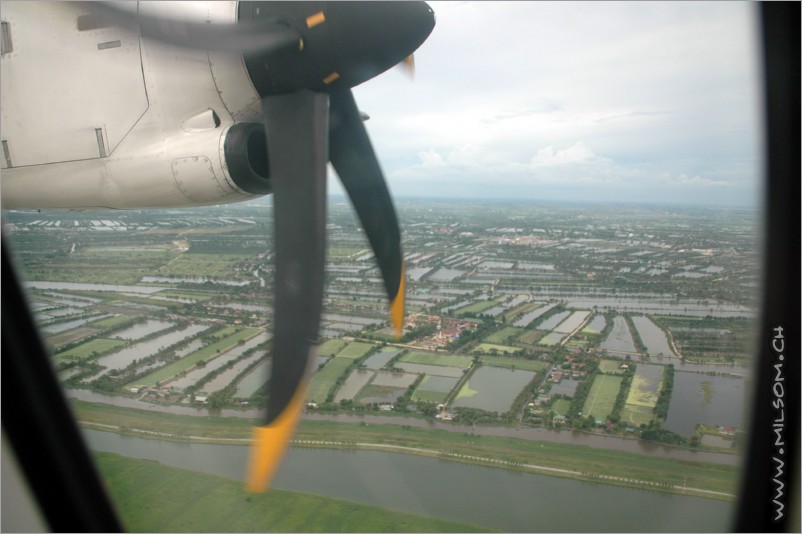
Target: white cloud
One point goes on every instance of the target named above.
(685, 180)
(547, 157)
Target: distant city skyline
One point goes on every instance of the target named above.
(630, 102)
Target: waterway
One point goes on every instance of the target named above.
(493, 498)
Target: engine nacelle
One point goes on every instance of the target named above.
(245, 156)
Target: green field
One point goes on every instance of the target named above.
(324, 379)
(478, 307)
(84, 351)
(610, 367)
(331, 347)
(355, 350)
(429, 396)
(637, 415)
(601, 398)
(530, 337)
(504, 335)
(191, 295)
(152, 497)
(518, 363)
(205, 265)
(111, 322)
(463, 362)
(485, 348)
(561, 406)
(205, 354)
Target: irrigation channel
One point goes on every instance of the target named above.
(483, 496)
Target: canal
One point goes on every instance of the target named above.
(492, 498)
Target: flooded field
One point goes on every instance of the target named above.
(552, 322)
(434, 388)
(434, 370)
(661, 307)
(138, 331)
(353, 384)
(596, 325)
(395, 380)
(77, 286)
(57, 328)
(254, 380)
(380, 359)
(527, 319)
(620, 339)
(571, 324)
(652, 336)
(705, 399)
(645, 386)
(120, 359)
(566, 387)
(492, 389)
(445, 275)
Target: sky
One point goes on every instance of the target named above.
(597, 101)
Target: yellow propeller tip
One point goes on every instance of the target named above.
(397, 306)
(269, 443)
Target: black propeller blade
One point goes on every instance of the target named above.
(356, 164)
(345, 43)
(296, 125)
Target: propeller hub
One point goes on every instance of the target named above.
(342, 43)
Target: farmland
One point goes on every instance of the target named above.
(517, 317)
(601, 399)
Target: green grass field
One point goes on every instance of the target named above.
(530, 337)
(463, 362)
(323, 380)
(206, 265)
(85, 350)
(205, 354)
(561, 406)
(152, 497)
(192, 295)
(637, 415)
(111, 322)
(504, 335)
(355, 350)
(610, 367)
(518, 363)
(331, 347)
(601, 398)
(487, 347)
(477, 307)
(429, 396)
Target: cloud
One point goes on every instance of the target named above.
(547, 157)
(694, 181)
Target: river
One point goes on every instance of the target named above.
(493, 498)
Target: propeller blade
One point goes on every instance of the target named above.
(408, 66)
(296, 126)
(249, 37)
(354, 160)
